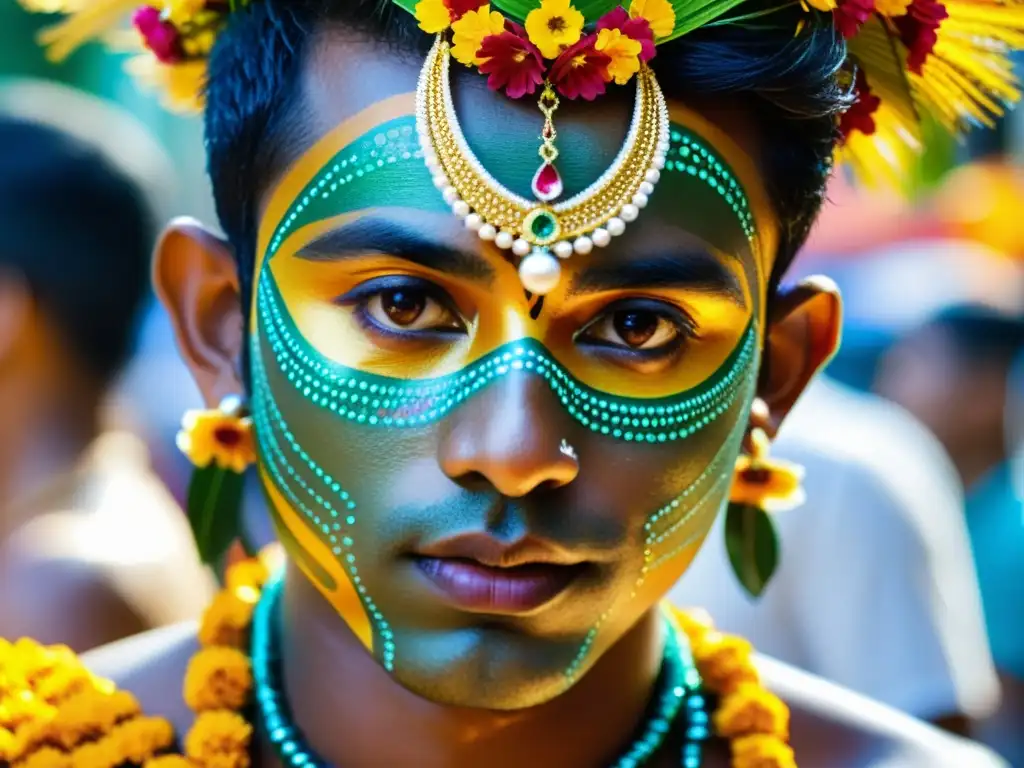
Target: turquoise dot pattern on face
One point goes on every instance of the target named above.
(389, 158)
(373, 400)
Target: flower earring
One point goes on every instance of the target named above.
(761, 485)
(220, 444)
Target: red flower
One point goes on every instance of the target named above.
(511, 62)
(919, 30)
(459, 8)
(638, 29)
(581, 70)
(861, 115)
(850, 16)
(159, 35)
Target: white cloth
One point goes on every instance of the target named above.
(876, 588)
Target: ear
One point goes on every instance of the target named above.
(196, 279)
(804, 329)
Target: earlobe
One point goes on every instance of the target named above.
(803, 334)
(195, 276)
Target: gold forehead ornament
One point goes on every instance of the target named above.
(537, 231)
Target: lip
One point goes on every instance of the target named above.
(488, 551)
(480, 588)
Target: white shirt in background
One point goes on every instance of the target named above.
(876, 588)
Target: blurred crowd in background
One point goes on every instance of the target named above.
(902, 577)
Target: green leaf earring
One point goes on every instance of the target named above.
(761, 486)
(220, 443)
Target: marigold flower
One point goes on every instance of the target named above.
(581, 70)
(22, 708)
(511, 62)
(98, 754)
(168, 761)
(468, 34)
(861, 114)
(919, 31)
(771, 484)
(638, 29)
(554, 26)
(90, 714)
(850, 15)
(437, 15)
(247, 574)
(48, 757)
(892, 8)
(138, 740)
(158, 34)
(658, 13)
(761, 751)
(213, 437)
(181, 12)
(227, 619)
(750, 709)
(6, 745)
(724, 662)
(623, 52)
(63, 682)
(218, 678)
(219, 739)
(695, 622)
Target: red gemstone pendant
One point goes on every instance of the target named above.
(547, 183)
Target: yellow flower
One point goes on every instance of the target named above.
(624, 52)
(826, 5)
(63, 682)
(218, 678)
(219, 739)
(724, 662)
(433, 16)
(248, 574)
(6, 746)
(469, 33)
(213, 437)
(168, 761)
(750, 709)
(180, 85)
(91, 714)
(17, 710)
(773, 485)
(228, 618)
(181, 12)
(695, 622)
(48, 757)
(138, 740)
(98, 754)
(891, 8)
(761, 751)
(659, 14)
(554, 26)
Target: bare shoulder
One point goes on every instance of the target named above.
(836, 728)
(152, 666)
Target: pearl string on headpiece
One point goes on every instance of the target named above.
(536, 230)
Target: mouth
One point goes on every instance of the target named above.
(477, 573)
(480, 588)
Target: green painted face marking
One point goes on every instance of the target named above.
(385, 167)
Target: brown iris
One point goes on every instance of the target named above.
(402, 306)
(635, 328)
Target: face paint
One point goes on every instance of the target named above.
(349, 453)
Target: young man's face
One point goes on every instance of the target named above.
(492, 492)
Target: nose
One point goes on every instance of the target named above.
(509, 435)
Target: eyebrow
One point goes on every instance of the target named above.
(374, 235)
(695, 270)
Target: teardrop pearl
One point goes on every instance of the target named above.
(540, 272)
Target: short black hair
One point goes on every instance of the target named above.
(982, 335)
(791, 79)
(79, 232)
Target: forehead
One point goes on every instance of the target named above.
(352, 88)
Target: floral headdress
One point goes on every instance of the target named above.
(947, 58)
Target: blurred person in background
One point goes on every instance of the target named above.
(955, 373)
(880, 542)
(91, 547)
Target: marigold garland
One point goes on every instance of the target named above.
(100, 727)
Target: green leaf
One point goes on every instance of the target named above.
(592, 10)
(214, 510)
(753, 546)
(693, 14)
(407, 5)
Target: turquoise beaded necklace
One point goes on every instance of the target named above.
(679, 690)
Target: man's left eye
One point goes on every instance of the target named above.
(637, 328)
(409, 309)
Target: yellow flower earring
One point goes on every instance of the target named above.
(220, 444)
(761, 485)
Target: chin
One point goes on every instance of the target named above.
(483, 667)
